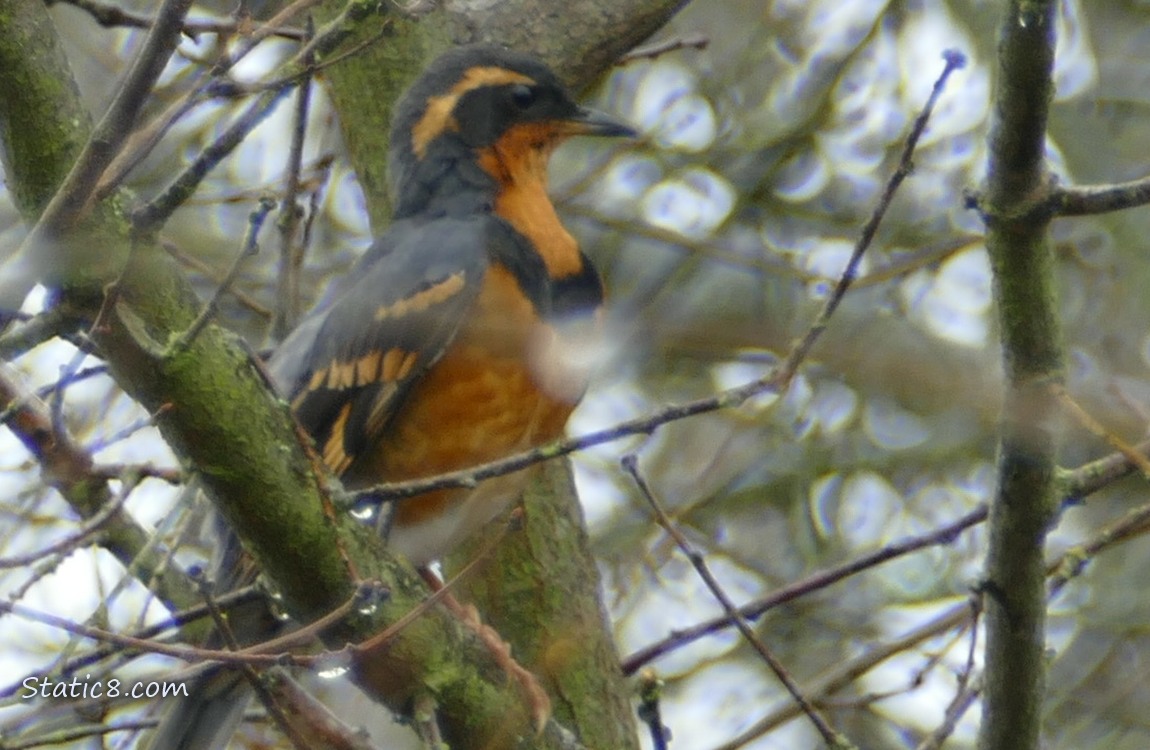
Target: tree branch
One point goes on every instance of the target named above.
(1085, 200)
(69, 469)
(1026, 498)
(44, 256)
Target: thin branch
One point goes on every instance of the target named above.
(29, 334)
(658, 49)
(650, 693)
(191, 261)
(957, 616)
(68, 468)
(249, 248)
(291, 249)
(317, 44)
(830, 736)
(1094, 476)
(173, 476)
(112, 16)
(249, 672)
(178, 619)
(1084, 418)
(268, 28)
(1087, 200)
(1077, 484)
(964, 615)
(943, 535)
(120, 118)
(151, 216)
(954, 713)
(307, 721)
(145, 139)
(125, 432)
(953, 60)
(82, 732)
(267, 653)
(1132, 525)
(89, 528)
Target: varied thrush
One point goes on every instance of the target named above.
(457, 338)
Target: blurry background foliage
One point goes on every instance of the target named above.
(719, 235)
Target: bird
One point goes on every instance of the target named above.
(460, 336)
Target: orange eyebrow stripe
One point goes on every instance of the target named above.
(437, 118)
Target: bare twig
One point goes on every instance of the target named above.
(106, 650)
(31, 333)
(149, 217)
(90, 527)
(954, 713)
(250, 247)
(73, 733)
(831, 737)
(658, 49)
(291, 250)
(816, 582)
(1077, 484)
(128, 430)
(111, 16)
(267, 653)
(1085, 200)
(309, 723)
(650, 693)
(957, 616)
(223, 628)
(68, 468)
(144, 140)
(1133, 524)
(954, 60)
(143, 471)
(1129, 452)
(191, 261)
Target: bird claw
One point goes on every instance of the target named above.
(537, 699)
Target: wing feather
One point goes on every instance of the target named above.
(347, 368)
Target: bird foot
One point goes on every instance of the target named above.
(538, 702)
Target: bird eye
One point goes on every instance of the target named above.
(522, 95)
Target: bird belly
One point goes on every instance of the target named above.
(470, 408)
(507, 383)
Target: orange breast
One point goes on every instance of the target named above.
(492, 394)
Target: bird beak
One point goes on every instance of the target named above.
(593, 122)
